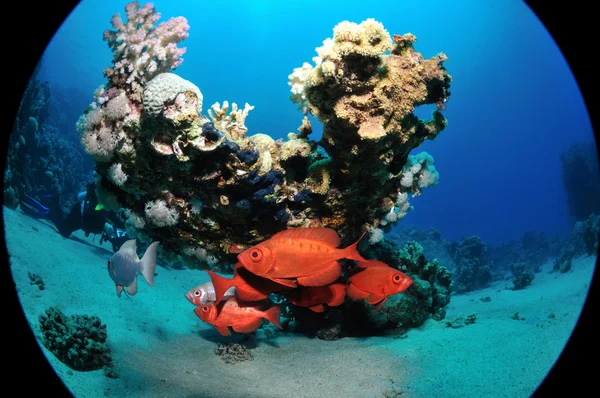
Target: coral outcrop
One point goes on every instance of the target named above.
(79, 341)
(206, 187)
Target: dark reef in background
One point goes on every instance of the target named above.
(44, 155)
(473, 269)
(581, 179)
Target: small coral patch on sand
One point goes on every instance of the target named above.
(79, 341)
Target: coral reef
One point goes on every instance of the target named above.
(233, 353)
(430, 292)
(203, 182)
(43, 157)
(473, 270)
(431, 240)
(523, 276)
(532, 250)
(583, 241)
(35, 279)
(459, 322)
(581, 179)
(79, 341)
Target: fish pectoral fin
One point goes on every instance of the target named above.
(247, 327)
(317, 308)
(355, 293)
(285, 282)
(250, 295)
(224, 330)
(327, 275)
(377, 301)
(132, 289)
(119, 290)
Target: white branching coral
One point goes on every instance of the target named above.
(160, 214)
(134, 219)
(376, 235)
(419, 172)
(195, 252)
(117, 175)
(297, 80)
(233, 123)
(142, 50)
(118, 107)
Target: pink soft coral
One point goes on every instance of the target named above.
(142, 50)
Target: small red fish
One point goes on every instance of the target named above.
(308, 256)
(248, 287)
(377, 282)
(315, 296)
(241, 317)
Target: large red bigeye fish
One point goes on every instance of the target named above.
(377, 282)
(241, 317)
(308, 256)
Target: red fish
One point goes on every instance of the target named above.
(248, 287)
(314, 297)
(308, 256)
(241, 317)
(377, 282)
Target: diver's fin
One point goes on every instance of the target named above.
(32, 207)
(119, 290)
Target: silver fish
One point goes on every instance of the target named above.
(124, 267)
(205, 293)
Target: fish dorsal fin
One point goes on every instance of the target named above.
(130, 244)
(325, 235)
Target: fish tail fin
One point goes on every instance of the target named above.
(272, 315)
(351, 251)
(149, 263)
(220, 283)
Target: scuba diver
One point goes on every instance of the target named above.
(86, 215)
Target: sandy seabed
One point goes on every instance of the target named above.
(161, 349)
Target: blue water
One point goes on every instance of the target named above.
(514, 105)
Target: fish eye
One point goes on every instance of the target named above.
(197, 293)
(256, 255)
(396, 278)
(205, 308)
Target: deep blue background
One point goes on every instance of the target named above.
(514, 105)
